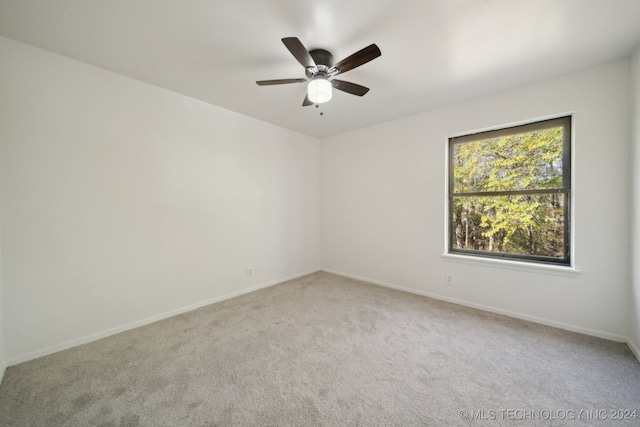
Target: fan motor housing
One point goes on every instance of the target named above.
(323, 60)
(322, 57)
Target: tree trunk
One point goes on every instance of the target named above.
(530, 233)
(466, 229)
(458, 221)
(500, 240)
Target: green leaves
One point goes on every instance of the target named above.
(499, 198)
(531, 160)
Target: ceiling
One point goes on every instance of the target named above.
(434, 52)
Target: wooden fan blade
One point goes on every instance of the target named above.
(299, 52)
(349, 87)
(279, 82)
(306, 101)
(357, 59)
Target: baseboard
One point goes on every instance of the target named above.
(534, 319)
(3, 368)
(112, 331)
(634, 349)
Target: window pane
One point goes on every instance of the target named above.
(518, 224)
(523, 161)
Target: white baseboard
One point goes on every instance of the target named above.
(93, 337)
(534, 319)
(112, 331)
(3, 367)
(634, 349)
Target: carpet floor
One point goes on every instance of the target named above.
(329, 351)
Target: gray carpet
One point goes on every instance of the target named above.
(326, 350)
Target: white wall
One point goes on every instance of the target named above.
(3, 363)
(383, 204)
(634, 300)
(123, 202)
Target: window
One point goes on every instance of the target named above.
(510, 193)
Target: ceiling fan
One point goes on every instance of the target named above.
(320, 71)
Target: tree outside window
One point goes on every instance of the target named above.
(510, 192)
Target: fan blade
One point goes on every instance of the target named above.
(299, 52)
(357, 59)
(349, 87)
(306, 101)
(279, 82)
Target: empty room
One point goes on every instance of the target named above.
(281, 213)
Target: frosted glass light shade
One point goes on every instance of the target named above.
(319, 90)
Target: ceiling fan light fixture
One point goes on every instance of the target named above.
(320, 71)
(319, 90)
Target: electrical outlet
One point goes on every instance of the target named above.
(448, 279)
(249, 271)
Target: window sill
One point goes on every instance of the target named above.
(513, 265)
